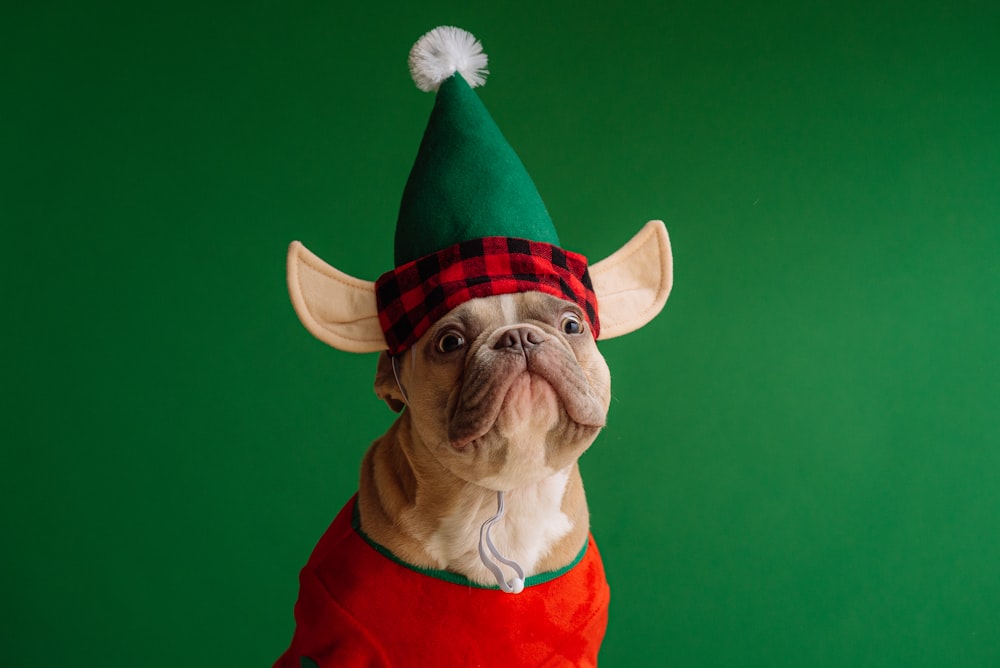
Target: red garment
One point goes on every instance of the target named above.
(359, 606)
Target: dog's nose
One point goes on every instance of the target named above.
(519, 338)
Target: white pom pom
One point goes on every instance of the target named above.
(442, 52)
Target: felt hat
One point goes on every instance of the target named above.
(471, 224)
(466, 182)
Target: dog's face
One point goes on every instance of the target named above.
(505, 390)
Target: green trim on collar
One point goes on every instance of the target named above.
(456, 578)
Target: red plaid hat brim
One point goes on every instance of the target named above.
(413, 296)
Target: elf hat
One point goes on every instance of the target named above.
(471, 224)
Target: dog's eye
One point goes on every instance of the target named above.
(450, 341)
(571, 324)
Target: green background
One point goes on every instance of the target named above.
(802, 462)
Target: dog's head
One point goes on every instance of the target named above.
(505, 389)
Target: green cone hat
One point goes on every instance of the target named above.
(472, 225)
(466, 182)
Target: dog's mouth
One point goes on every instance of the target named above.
(544, 390)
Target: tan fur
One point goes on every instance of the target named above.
(487, 418)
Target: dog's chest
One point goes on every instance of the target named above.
(533, 522)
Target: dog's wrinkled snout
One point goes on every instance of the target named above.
(519, 339)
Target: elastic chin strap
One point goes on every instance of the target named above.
(395, 372)
(514, 585)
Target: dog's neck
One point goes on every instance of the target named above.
(430, 518)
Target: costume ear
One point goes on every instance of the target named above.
(632, 284)
(338, 309)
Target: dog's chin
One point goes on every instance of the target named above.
(495, 461)
(533, 435)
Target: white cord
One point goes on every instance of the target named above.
(514, 585)
(395, 372)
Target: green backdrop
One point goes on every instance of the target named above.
(802, 462)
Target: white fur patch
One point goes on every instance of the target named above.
(532, 524)
(508, 307)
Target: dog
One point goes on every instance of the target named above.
(468, 541)
(504, 393)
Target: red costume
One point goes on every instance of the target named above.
(360, 606)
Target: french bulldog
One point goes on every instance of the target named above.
(502, 394)
(468, 542)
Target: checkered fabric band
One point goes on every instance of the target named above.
(413, 296)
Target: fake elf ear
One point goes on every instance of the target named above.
(471, 224)
(335, 307)
(632, 285)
